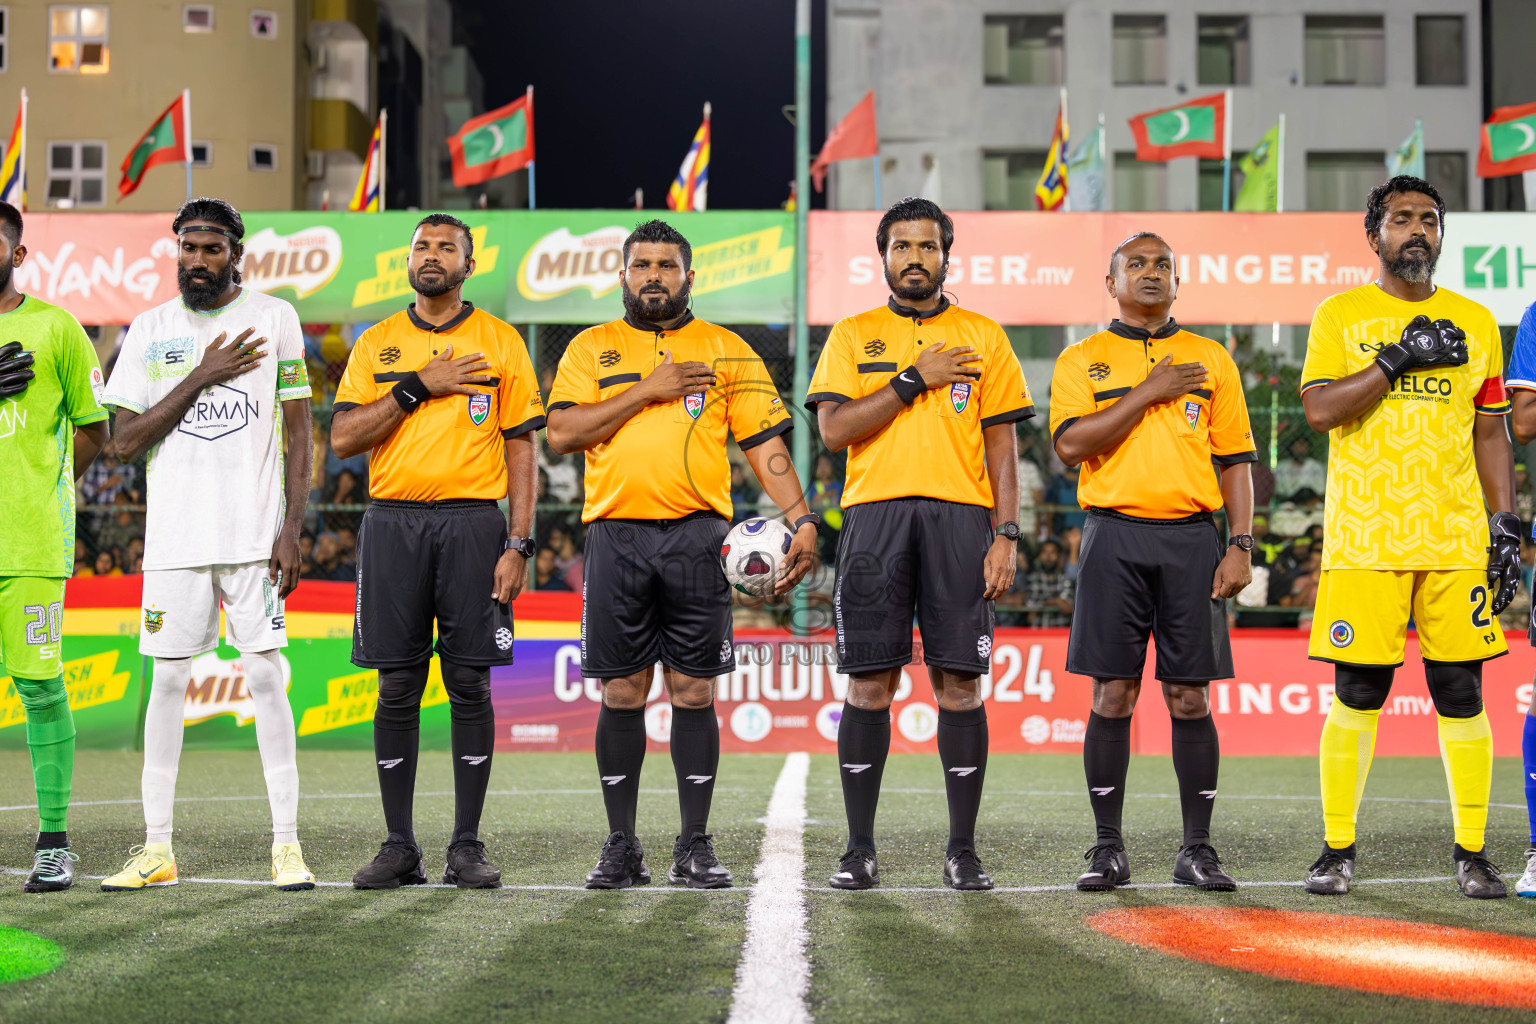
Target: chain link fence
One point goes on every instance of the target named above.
(1288, 486)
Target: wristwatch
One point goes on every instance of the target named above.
(1241, 540)
(1010, 530)
(809, 517)
(522, 545)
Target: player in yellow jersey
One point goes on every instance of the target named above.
(1405, 376)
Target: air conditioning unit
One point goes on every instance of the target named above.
(320, 62)
(314, 164)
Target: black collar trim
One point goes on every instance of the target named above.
(908, 313)
(1168, 330)
(650, 327)
(422, 325)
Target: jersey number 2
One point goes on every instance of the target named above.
(1479, 600)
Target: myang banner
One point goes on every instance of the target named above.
(1244, 268)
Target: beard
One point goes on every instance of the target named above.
(437, 285)
(655, 304)
(5, 273)
(201, 289)
(915, 291)
(1414, 265)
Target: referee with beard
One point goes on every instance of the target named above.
(444, 399)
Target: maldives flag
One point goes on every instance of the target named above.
(493, 144)
(168, 141)
(854, 138)
(1196, 128)
(1508, 142)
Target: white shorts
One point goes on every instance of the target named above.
(181, 611)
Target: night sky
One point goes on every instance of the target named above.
(619, 90)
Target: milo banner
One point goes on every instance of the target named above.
(539, 266)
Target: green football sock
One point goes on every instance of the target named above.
(51, 739)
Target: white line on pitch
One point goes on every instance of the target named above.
(347, 796)
(774, 975)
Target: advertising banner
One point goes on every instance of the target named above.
(103, 677)
(1245, 268)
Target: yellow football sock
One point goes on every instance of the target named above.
(1344, 761)
(1466, 748)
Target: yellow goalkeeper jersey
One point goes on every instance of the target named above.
(1403, 490)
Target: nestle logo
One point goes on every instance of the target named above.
(219, 412)
(1098, 371)
(608, 358)
(389, 356)
(875, 348)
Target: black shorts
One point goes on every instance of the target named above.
(1139, 576)
(654, 590)
(423, 560)
(910, 555)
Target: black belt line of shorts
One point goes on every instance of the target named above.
(401, 503)
(664, 523)
(1109, 513)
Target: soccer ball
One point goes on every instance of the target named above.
(751, 555)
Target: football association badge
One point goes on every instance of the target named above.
(479, 408)
(960, 396)
(153, 621)
(694, 404)
(1192, 413)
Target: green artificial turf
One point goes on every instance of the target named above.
(227, 952)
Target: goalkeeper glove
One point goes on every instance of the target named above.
(1423, 345)
(1503, 558)
(15, 369)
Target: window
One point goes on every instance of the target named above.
(77, 173)
(77, 39)
(197, 18)
(1341, 181)
(1440, 49)
(5, 38)
(1138, 185)
(1009, 176)
(1140, 50)
(1212, 177)
(1223, 50)
(263, 157)
(264, 24)
(1023, 50)
(202, 154)
(1447, 171)
(1346, 50)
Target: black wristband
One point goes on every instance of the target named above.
(1393, 360)
(908, 384)
(810, 517)
(410, 392)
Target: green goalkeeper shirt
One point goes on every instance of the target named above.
(37, 481)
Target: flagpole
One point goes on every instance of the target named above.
(186, 117)
(801, 339)
(879, 205)
(1280, 167)
(1226, 149)
(1066, 183)
(1274, 327)
(383, 135)
(532, 205)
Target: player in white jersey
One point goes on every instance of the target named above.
(223, 521)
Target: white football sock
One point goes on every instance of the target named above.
(163, 727)
(275, 737)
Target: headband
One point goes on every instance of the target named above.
(234, 239)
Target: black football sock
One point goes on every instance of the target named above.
(1196, 758)
(396, 729)
(1106, 760)
(620, 743)
(52, 840)
(473, 733)
(863, 741)
(695, 758)
(963, 753)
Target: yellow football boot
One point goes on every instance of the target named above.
(288, 870)
(147, 865)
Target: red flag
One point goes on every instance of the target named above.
(1508, 143)
(1195, 127)
(853, 138)
(167, 141)
(493, 144)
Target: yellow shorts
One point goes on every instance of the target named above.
(1362, 616)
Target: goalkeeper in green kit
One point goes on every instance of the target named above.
(52, 426)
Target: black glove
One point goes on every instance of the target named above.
(15, 369)
(1423, 345)
(1503, 558)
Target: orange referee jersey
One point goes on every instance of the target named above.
(668, 460)
(452, 446)
(933, 448)
(1163, 467)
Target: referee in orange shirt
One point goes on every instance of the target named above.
(444, 398)
(1147, 409)
(650, 399)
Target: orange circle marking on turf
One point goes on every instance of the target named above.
(1367, 954)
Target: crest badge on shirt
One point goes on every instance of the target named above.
(960, 396)
(1192, 413)
(694, 404)
(479, 408)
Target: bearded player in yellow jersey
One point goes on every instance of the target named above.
(1405, 376)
